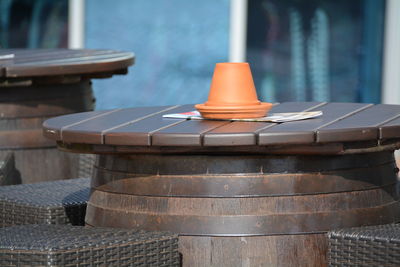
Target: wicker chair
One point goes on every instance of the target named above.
(365, 246)
(55, 202)
(86, 163)
(66, 245)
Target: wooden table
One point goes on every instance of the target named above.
(240, 193)
(38, 84)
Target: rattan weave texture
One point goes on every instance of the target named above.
(365, 246)
(86, 162)
(66, 245)
(55, 202)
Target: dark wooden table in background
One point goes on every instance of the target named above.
(38, 84)
(240, 193)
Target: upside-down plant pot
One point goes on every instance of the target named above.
(233, 94)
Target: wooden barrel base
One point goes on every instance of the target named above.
(23, 110)
(250, 210)
(44, 164)
(279, 250)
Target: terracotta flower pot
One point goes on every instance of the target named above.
(233, 94)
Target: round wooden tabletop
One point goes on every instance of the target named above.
(343, 128)
(34, 63)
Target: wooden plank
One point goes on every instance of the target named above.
(390, 129)
(361, 126)
(69, 69)
(187, 133)
(139, 133)
(32, 56)
(245, 133)
(32, 63)
(303, 132)
(91, 131)
(74, 69)
(235, 134)
(56, 54)
(76, 59)
(274, 250)
(52, 127)
(26, 55)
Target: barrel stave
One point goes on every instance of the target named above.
(249, 211)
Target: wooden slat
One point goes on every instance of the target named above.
(360, 126)
(39, 55)
(26, 55)
(303, 132)
(234, 134)
(244, 133)
(139, 133)
(31, 63)
(110, 64)
(52, 127)
(22, 52)
(76, 59)
(390, 130)
(146, 127)
(91, 131)
(32, 55)
(75, 69)
(187, 133)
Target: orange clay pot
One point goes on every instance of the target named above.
(233, 94)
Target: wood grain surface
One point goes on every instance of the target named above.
(23, 111)
(51, 62)
(37, 84)
(240, 193)
(280, 250)
(340, 122)
(245, 210)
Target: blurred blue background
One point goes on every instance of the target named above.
(314, 50)
(176, 43)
